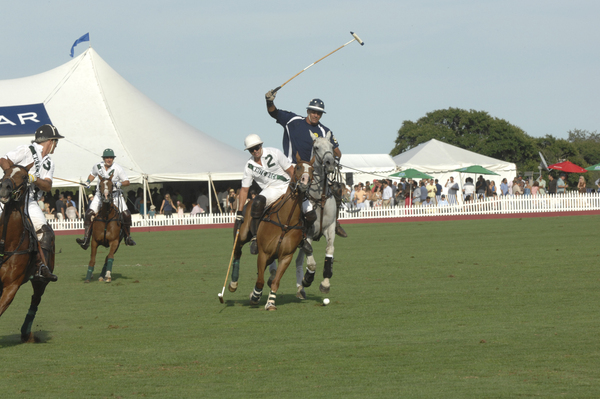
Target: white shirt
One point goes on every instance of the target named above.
(387, 193)
(272, 172)
(115, 173)
(43, 168)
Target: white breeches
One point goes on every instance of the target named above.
(117, 200)
(272, 194)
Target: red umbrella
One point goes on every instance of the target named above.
(568, 167)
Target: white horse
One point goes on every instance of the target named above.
(321, 197)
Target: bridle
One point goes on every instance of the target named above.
(17, 192)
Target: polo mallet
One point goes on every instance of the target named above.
(355, 37)
(229, 268)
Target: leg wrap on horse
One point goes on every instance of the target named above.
(308, 279)
(328, 268)
(126, 227)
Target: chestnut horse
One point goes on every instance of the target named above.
(18, 246)
(106, 231)
(278, 234)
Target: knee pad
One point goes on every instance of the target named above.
(258, 206)
(310, 216)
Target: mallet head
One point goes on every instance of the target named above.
(357, 38)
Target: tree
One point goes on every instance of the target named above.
(472, 130)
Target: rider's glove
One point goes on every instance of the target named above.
(270, 96)
(87, 183)
(117, 185)
(239, 219)
(32, 178)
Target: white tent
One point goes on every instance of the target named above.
(367, 167)
(440, 159)
(95, 108)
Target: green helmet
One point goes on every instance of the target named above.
(108, 153)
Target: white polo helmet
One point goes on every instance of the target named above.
(252, 140)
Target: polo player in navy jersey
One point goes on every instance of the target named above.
(298, 133)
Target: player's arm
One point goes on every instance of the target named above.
(337, 153)
(270, 97)
(243, 197)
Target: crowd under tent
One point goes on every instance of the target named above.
(440, 160)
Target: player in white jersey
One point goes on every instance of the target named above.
(107, 169)
(40, 179)
(271, 170)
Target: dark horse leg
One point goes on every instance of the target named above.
(243, 238)
(39, 286)
(38, 290)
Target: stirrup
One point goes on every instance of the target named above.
(44, 273)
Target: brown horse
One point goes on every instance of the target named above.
(19, 246)
(106, 231)
(278, 235)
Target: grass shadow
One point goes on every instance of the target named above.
(8, 341)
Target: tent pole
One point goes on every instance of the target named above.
(144, 197)
(215, 190)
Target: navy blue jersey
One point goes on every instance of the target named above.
(298, 135)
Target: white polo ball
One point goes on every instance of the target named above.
(325, 301)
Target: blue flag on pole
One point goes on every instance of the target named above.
(84, 38)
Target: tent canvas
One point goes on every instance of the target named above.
(96, 108)
(367, 167)
(440, 160)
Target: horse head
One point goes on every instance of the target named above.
(303, 173)
(14, 183)
(106, 189)
(323, 153)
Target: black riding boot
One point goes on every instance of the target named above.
(336, 188)
(256, 211)
(47, 245)
(126, 227)
(87, 230)
(309, 221)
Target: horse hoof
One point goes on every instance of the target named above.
(232, 286)
(28, 339)
(324, 288)
(101, 279)
(108, 280)
(270, 307)
(86, 281)
(301, 294)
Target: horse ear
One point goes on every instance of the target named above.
(298, 159)
(312, 161)
(313, 137)
(328, 135)
(27, 167)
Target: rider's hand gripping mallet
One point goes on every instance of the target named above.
(230, 260)
(355, 37)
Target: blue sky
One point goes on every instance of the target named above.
(533, 63)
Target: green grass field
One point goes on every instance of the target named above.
(464, 309)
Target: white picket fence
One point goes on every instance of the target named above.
(569, 202)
